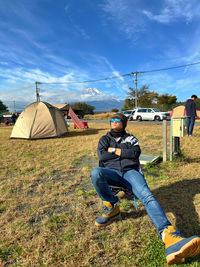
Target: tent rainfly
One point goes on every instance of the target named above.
(62, 107)
(180, 111)
(39, 120)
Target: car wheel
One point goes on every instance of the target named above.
(130, 118)
(139, 118)
(157, 118)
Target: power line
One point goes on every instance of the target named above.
(114, 77)
(123, 75)
(99, 80)
(170, 68)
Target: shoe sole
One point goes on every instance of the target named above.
(109, 222)
(191, 249)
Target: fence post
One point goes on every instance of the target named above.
(164, 138)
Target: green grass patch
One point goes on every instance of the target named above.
(29, 155)
(80, 192)
(19, 226)
(153, 254)
(68, 235)
(2, 208)
(91, 193)
(125, 204)
(104, 236)
(57, 220)
(154, 137)
(11, 252)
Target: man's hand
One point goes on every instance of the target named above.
(110, 149)
(118, 151)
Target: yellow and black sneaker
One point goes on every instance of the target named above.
(178, 247)
(111, 212)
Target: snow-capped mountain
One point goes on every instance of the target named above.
(101, 101)
(93, 94)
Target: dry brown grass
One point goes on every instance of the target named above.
(48, 205)
(100, 116)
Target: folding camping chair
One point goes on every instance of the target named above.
(116, 189)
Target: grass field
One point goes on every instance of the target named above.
(48, 205)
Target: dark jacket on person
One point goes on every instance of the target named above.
(130, 152)
(190, 108)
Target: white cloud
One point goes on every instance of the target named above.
(23, 11)
(172, 83)
(54, 59)
(81, 31)
(174, 10)
(19, 82)
(126, 16)
(67, 7)
(132, 17)
(117, 74)
(75, 27)
(184, 52)
(3, 63)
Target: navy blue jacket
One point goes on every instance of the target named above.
(130, 152)
(190, 108)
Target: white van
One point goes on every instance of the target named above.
(128, 114)
(151, 114)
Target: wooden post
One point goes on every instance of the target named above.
(171, 139)
(164, 139)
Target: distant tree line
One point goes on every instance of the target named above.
(85, 108)
(3, 108)
(146, 98)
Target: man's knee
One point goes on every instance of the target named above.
(95, 174)
(147, 196)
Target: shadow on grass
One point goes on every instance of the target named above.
(178, 199)
(83, 132)
(193, 160)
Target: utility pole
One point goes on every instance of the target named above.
(37, 92)
(136, 90)
(14, 106)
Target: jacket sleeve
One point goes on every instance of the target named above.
(186, 106)
(102, 150)
(133, 150)
(194, 109)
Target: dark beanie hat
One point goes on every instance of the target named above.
(194, 96)
(122, 117)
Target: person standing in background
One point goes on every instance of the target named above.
(191, 113)
(13, 117)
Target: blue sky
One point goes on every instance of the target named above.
(80, 40)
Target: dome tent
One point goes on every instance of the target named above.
(39, 120)
(181, 111)
(178, 111)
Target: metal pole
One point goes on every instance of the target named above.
(177, 146)
(135, 89)
(164, 139)
(14, 106)
(171, 140)
(37, 92)
(36, 89)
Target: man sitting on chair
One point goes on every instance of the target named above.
(118, 154)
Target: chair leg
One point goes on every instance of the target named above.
(115, 190)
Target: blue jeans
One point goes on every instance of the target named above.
(102, 178)
(190, 125)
